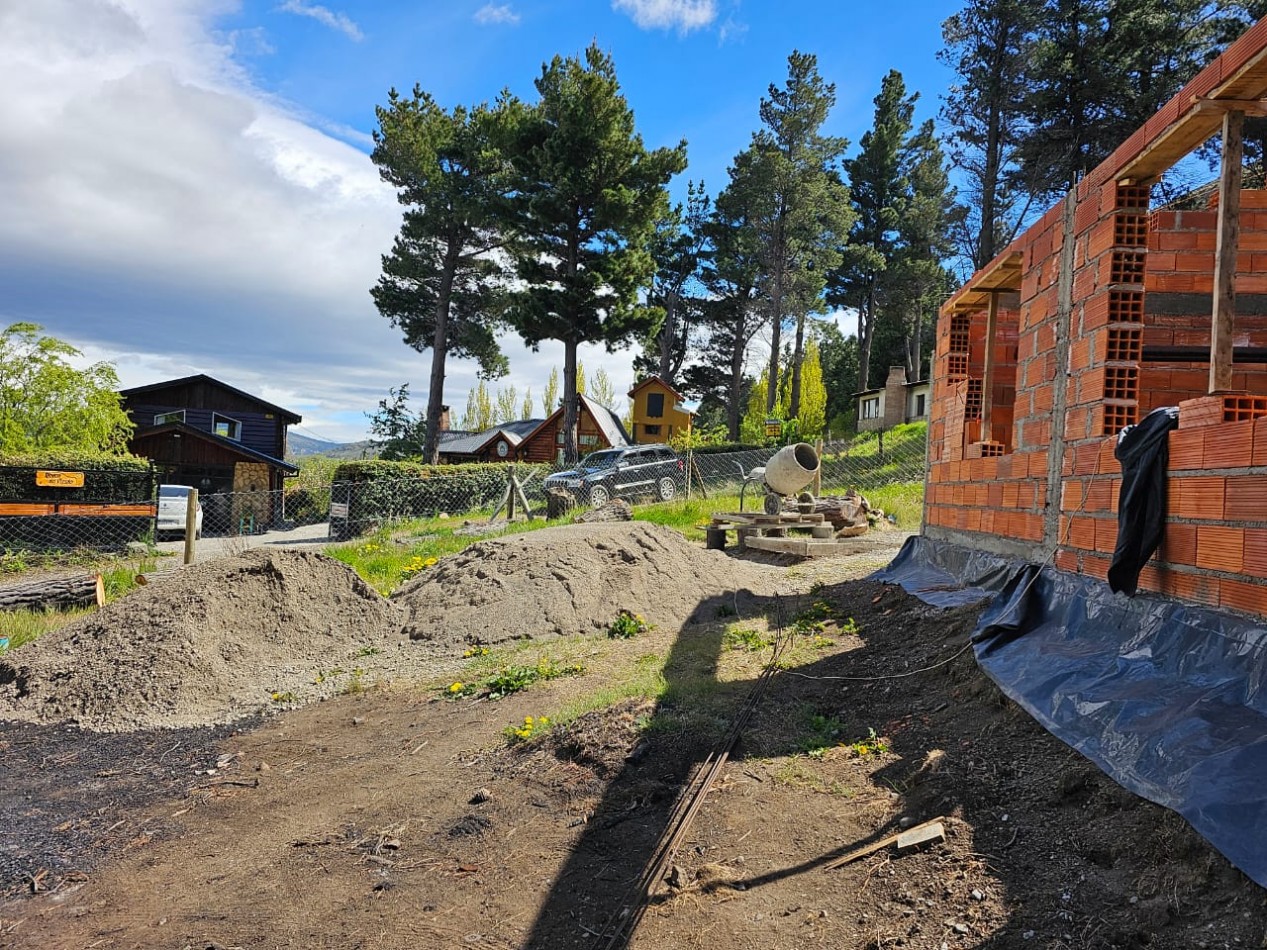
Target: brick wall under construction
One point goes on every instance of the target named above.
(1133, 334)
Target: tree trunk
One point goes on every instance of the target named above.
(734, 411)
(668, 337)
(439, 352)
(776, 304)
(866, 328)
(81, 590)
(571, 402)
(798, 355)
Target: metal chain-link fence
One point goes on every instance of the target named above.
(108, 510)
(44, 509)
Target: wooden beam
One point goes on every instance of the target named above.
(987, 377)
(1257, 107)
(1223, 318)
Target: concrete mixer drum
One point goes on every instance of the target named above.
(788, 471)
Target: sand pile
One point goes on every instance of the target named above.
(568, 580)
(211, 644)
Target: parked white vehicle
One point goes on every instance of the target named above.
(173, 510)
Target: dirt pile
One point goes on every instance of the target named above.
(568, 580)
(212, 644)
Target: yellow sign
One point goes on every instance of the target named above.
(773, 427)
(59, 479)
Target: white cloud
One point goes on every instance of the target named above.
(161, 212)
(496, 13)
(324, 15)
(683, 15)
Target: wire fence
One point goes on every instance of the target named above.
(112, 510)
(864, 465)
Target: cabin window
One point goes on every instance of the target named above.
(225, 427)
(871, 408)
(655, 405)
(163, 418)
(652, 430)
(589, 439)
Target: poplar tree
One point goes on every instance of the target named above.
(587, 195)
(441, 283)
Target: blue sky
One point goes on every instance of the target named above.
(187, 183)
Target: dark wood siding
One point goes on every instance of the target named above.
(260, 431)
(543, 445)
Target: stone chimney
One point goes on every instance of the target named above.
(444, 418)
(895, 397)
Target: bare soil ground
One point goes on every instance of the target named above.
(397, 818)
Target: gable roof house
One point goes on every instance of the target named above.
(497, 443)
(597, 428)
(202, 432)
(658, 412)
(894, 403)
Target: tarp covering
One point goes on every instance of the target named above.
(947, 575)
(1169, 699)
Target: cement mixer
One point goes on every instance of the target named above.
(788, 471)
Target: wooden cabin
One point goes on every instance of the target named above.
(201, 432)
(597, 428)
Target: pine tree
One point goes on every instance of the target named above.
(588, 194)
(878, 188)
(806, 214)
(987, 44)
(440, 284)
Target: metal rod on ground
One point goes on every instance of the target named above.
(191, 525)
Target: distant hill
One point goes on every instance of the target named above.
(298, 446)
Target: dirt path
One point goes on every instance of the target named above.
(398, 819)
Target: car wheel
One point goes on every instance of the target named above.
(666, 488)
(599, 496)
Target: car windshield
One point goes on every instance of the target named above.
(173, 491)
(605, 459)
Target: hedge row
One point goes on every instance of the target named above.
(377, 491)
(108, 479)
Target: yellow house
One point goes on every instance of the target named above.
(656, 416)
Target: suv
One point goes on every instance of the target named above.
(629, 470)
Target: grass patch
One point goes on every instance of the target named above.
(903, 500)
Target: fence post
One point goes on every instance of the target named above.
(818, 475)
(510, 492)
(191, 525)
(690, 469)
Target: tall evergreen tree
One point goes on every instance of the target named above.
(588, 196)
(986, 45)
(878, 188)
(806, 214)
(441, 283)
(733, 312)
(677, 248)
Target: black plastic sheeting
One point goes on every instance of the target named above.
(1168, 699)
(947, 575)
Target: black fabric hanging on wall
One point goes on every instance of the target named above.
(1143, 451)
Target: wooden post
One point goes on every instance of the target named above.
(510, 492)
(818, 475)
(690, 465)
(987, 376)
(191, 525)
(1223, 319)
